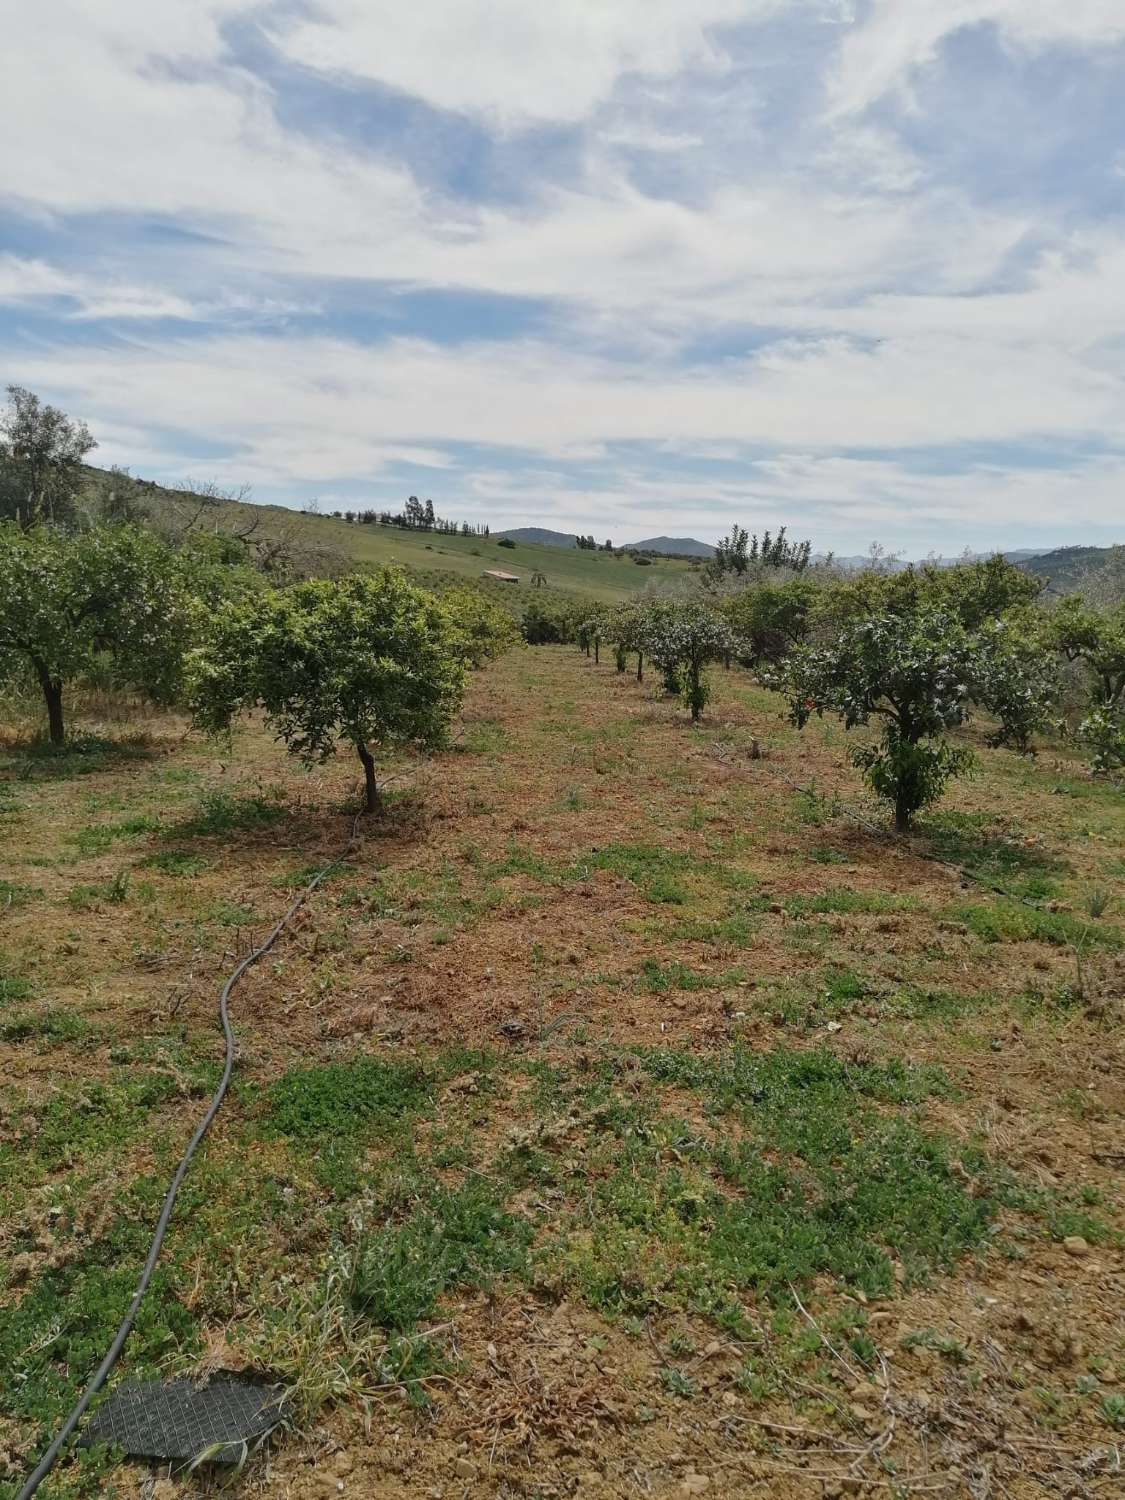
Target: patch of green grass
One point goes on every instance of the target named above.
(659, 979)
(845, 901)
(13, 894)
(13, 987)
(826, 856)
(178, 862)
(1003, 921)
(993, 849)
(484, 737)
(226, 812)
(87, 897)
(81, 755)
(230, 914)
(345, 1099)
(52, 1025)
(650, 868)
(452, 1238)
(97, 838)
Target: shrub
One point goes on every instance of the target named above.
(681, 640)
(365, 660)
(915, 673)
(110, 598)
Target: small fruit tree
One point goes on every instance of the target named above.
(682, 639)
(625, 629)
(915, 672)
(1096, 639)
(111, 598)
(370, 661)
(769, 619)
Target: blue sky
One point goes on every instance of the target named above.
(615, 266)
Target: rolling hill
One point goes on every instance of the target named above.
(338, 545)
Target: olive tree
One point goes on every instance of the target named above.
(111, 597)
(914, 673)
(41, 453)
(368, 661)
(682, 639)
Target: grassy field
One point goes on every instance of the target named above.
(599, 575)
(617, 1120)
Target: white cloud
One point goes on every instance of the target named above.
(883, 51)
(509, 60)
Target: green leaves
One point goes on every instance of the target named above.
(367, 660)
(112, 596)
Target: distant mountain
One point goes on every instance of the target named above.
(1066, 568)
(673, 546)
(861, 560)
(539, 535)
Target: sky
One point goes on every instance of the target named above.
(623, 267)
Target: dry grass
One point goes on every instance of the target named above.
(582, 875)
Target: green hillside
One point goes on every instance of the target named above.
(335, 543)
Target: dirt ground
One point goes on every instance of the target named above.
(582, 886)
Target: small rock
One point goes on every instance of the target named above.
(464, 1468)
(344, 1463)
(729, 1398)
(1074, 1244)
(163, 1489)
(694, 1484)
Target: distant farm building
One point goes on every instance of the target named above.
(498, 577)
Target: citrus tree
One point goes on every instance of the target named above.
(625, 629)
(913, 672)
(1095, 638)
(769, 619)
(682, 639)
(366, 661)
(113, 598)
(482, 629)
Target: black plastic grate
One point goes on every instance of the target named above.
(226, 1418)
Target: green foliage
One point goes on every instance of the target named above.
(111, 598)
(681, 639)
(460, 1237)
(41, 453)
(365, 660)
(552, 622)
(227, 812)
(344, 1099)
(769, 619)
(480, 629)
(916, 671)
(739, 552)
(1012, 922)
(1102, 731)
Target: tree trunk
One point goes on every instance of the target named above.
(597, 650)
(640, 666)
(372, 802)
(902, 817)
(52, 696)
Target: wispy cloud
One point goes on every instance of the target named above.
(742, 268)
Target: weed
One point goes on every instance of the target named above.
(51, 1025)
(12, 895)
(925, 1338)
(848, 901)
(1113, 1409)
(177, 862)
(344, 1099)
(1003, 921)
(452, 1238)
(1097, 902)
(222, 812)
(676, 1383)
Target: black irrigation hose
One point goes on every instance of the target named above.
(100, 1375)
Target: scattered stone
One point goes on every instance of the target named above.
(694, 1484)
(464, 1468)
(1074, 1244)
(344, 1463)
